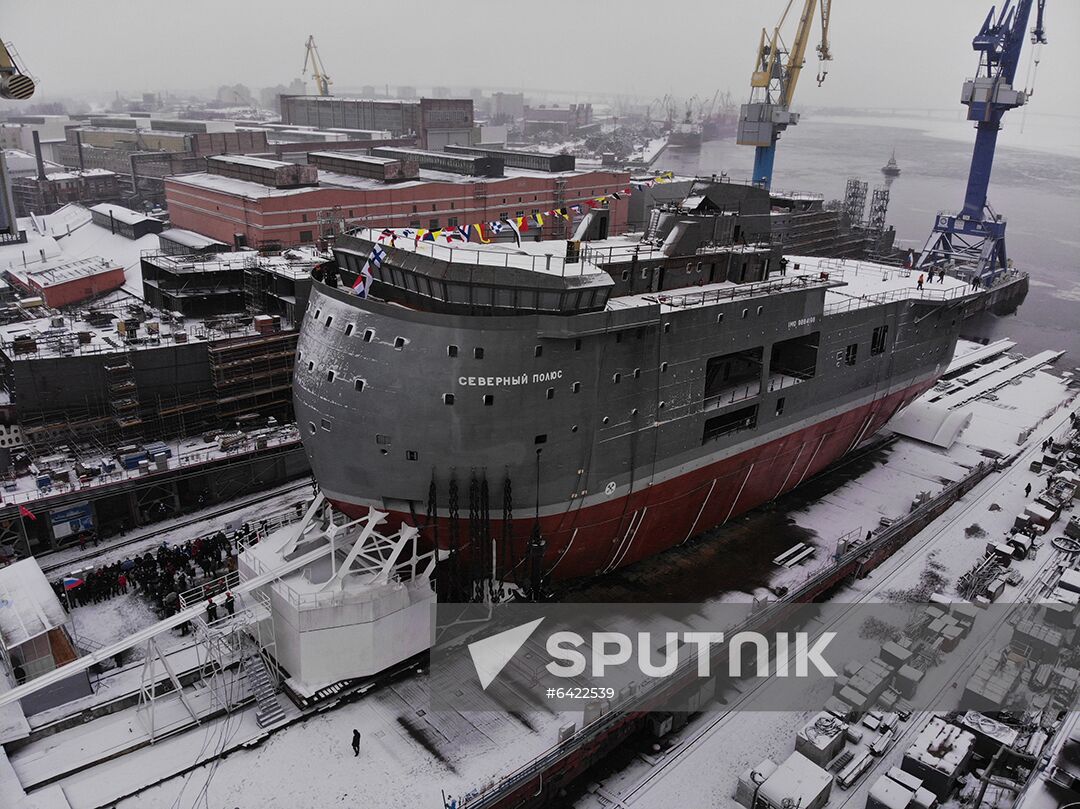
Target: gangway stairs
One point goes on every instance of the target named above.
(268, 710)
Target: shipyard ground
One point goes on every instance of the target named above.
(409, 756)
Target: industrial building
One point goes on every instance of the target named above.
(143, 151)
(128, 223)
(473, 165)
(63, 283)
(245, 212)
(49, 191)
(211, 285)
(180, 242)
(563, 121)
(435, 121)
(521, 159)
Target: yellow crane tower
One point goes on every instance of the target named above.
(318, 72)
(772, 85)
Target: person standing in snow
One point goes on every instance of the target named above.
(355, 742)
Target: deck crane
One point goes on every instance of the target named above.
(14, 83)
(772, 85)
(318, 72)
(973, 241)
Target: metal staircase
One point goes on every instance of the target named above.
(268, 710)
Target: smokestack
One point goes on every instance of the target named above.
(37, 155)
(78, 147)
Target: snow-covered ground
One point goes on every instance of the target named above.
(410, 756)
(710, 754)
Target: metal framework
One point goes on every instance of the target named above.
(973, 241)
(855, 200)
(879, 209)
(318, 72)
(772, 85)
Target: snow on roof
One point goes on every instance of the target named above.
(354, 156)
(77, 173)
(122, 214)
(941, 746)
(798, 779)
(48, 275)
(28, 605)
(330, 179)
(246, 160)
(188, 238)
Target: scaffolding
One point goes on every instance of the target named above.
(855, 200)
(253, 374)
(879, 209)
(123, 395)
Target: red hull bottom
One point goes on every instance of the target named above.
(598, 538)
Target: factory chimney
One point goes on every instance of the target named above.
(78, 147)
(38, 157)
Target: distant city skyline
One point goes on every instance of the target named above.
(887, 55)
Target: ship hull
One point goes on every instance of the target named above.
(591, 539)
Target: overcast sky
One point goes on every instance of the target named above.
(888, 53)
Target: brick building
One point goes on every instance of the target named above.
(244, 212)
(44, 195)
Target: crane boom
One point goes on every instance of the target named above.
(318, 72)
(773, 82)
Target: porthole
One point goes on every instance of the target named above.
(451, 351)
(448, 398)
(358, 384)
(489, 400)
(329, 376)
(311, 427)
(368, 335)
(348, 329)
(399, 343)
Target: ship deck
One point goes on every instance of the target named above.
(851, 284)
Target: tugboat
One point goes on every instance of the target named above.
(891, 169)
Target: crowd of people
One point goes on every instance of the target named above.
(160, 576)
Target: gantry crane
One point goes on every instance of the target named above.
(318, 72)
(973, 241)
(14, 83)
(772, 85)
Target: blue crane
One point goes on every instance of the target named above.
(973, 241)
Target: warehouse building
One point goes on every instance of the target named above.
(435, 121)
(245, 212)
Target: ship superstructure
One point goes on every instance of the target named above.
(554, 410)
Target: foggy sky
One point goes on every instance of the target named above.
(888, 53)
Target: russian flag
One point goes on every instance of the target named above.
(70, 582)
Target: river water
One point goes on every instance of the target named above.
(1035, 185)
